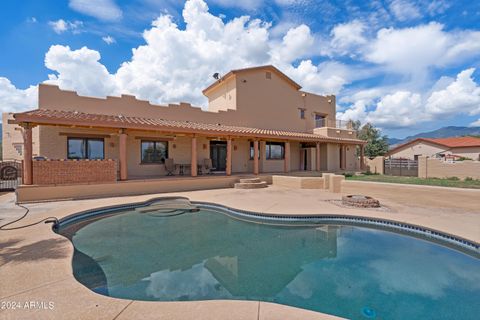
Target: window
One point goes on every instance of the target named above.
(251, 150)
(154, 151)
(302, 113)
(275, 150)
(268, 75)
(320, 121)
(85, 148)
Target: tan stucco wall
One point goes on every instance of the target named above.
(375, 165)
(12, 139)
(470, 152)
(336, 133)
(333, 157)
(434, 168)
(223, 97)
(421, 148)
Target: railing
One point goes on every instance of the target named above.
(340, 124)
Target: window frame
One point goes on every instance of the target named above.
(302, 113)
(268, 151)
(154, 148)
(86, 139)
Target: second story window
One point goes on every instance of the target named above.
(301, 113)
(268, 75)
(320, 121)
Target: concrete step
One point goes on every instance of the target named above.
(250, 180)
(250, 185)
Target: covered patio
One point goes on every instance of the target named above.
(186, 145)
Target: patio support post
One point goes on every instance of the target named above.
(255, 157)
(317, 157)
(27, 154)
(123, 155)
(344, 157)
(362, 156)
(286, 162)
(193, 163)
(229, 157)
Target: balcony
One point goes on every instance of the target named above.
(329, 123)
(335, 128)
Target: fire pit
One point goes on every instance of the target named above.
(360, 201)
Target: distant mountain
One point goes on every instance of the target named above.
(444, 132)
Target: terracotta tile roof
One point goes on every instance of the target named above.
(457, 142)
(54, 117)
(452, 142)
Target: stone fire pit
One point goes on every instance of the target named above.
(360, 201)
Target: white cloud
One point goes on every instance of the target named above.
(460, 96)
(60, 26)
(414, 50)
(296, 43)
(13, 99)
(109, 40)
(475, 123)
(404, 10)
(101, 9)
(348, 36)
(401, 108)
(79, 70)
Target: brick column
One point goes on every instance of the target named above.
(255, 157)
(123, 155)
(193, 162)
(229, 157)
(286, 161)
(317, 157)
(27, 154)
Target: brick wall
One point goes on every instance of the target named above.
(73, 171)
(433, 168)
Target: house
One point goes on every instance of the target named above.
(453, 147)
(258, 121)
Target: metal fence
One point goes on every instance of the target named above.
(339, 124)
(10, 174)
(401, 167)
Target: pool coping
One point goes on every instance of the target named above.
(411, 229)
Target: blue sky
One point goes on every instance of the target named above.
(406, 66)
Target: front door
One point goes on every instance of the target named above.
(218, 154)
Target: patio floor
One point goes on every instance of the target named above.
(35, 263)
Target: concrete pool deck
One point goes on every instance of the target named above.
(35, 263)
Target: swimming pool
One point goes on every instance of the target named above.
(349, 271)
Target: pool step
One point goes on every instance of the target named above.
(250, 183)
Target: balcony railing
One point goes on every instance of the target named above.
(339, 124)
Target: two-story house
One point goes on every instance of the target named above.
(258, 121)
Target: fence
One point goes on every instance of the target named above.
(401, 167)
(10, 174)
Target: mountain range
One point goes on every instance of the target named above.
(444, 132)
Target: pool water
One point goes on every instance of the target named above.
(352, 272)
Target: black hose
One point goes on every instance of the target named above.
(2, 227)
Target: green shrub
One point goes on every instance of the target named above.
(469, 179)
(348, 174)
(453, 178)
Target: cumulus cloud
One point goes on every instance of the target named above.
(348, 36)
(79, 70)
(101, 9)
(13, 99)
(405, 108)
(60, 26)
(413, 50)
(460, 96)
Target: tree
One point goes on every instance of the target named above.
(377, 145)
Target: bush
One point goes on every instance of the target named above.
(453, 178)
(347, 174)
(462, 159)
(469, 179)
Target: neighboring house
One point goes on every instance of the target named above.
(454, 147)
(251, 111)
